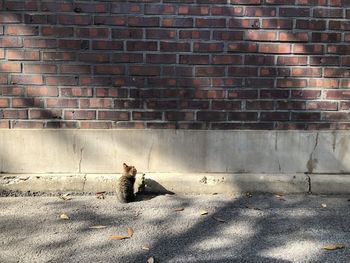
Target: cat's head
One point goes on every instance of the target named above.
(129, 170)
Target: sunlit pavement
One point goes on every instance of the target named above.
(176, 228)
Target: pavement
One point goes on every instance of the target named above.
(175, 228)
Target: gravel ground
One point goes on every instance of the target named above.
(258, 228)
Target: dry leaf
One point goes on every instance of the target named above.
(97, 227)
(100, 196)
(145, 248)
(150, 260)
(249, 195)
(119, 237)
(219, 219)
(333, 246)
(280, 197)
(324, 205)
(203, 212)
(101, 193)
(214, 193)
(130, 231)
(64, 217)
(252, 207)
(66, 197)
(179, 209)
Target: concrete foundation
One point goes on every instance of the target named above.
(231, 161)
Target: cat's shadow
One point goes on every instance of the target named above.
(151, 189)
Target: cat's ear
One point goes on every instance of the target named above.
(125, 166)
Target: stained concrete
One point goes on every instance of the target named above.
(242, 156)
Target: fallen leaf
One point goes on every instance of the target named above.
(130, 231)
(324, 205)
(280, 194)
(219, 219)
(179, 209)
(101, 193)
(119, 237)
(97, 227)
(66, 197)
(280, 197)
(145, 248)
(150, 260)
(333, 246)
(214, 193)
(203, 212)
(252, 207)
(64, 217)
(248, 194)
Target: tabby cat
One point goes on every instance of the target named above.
(125, 187)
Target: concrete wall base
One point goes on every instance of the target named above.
(199, 183)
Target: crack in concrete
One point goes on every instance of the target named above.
(311, 163)
(149, 155)
(308, 178)
(81, 158)
(84, 182)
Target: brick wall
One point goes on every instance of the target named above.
(187, 64)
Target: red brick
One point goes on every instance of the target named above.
(310, 24)
(336, 72)
(161, 58)
(92, 32)
(211, 116)
(244, 23)
(274, 72)
(306, 116)
(21, 30)
(242, 71)
(292, 83)
(294, 12)
(261, 36)
(195, 34)
(227, 59)
(194, 59)
(91, 7)
(161, 9)
(113, 115)
(95, 125)
(208, 47)
(179, 116)
(110, 20)
(339, 25)
(210, 22)
(274, 116)
(4, 124)
(194, 10)
(259, 105)
(76, 92)
(160, 34)
(21, 5)
(127, 33)
(107, 45)
(338, 49)
(292, 61)
(10, 18)
(274, 94)
(337, 94)
(76, 69)
(58, 56)
(27, 79)
(277, 23)
(259, 60)
(12, 91)
(39, 68)
(125, 8)
(79, 114)
(143, 21)
(109, 69)
(311, 2)
(226, 11)
(62, 103)
(96, 103)
(18, 124)
(94, 57)
(73, 44)
(324, 60)
(61, 80)
(10, 67)
(28, 103)
(242, 94)
(307, 72)
(306, 94)
(227, 35)
(15, 114)
(321, 105)
(336, 116)
(345, 83)
(42, 91)
(308, 49)
(144, 70)
(324, 83)
(326, 37)
(4, 103)
(40, 43)
(22, 55)
(127, 58)
(226, 105)
(294, 37)
(11, 42)
(56, 7)
(209, 71)
(82, 20)
(242, 47)
(260, 11)
(245, 2)
(175, 46)
(328, 12)
(290, 105)
(45, 114)
(142, 45)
